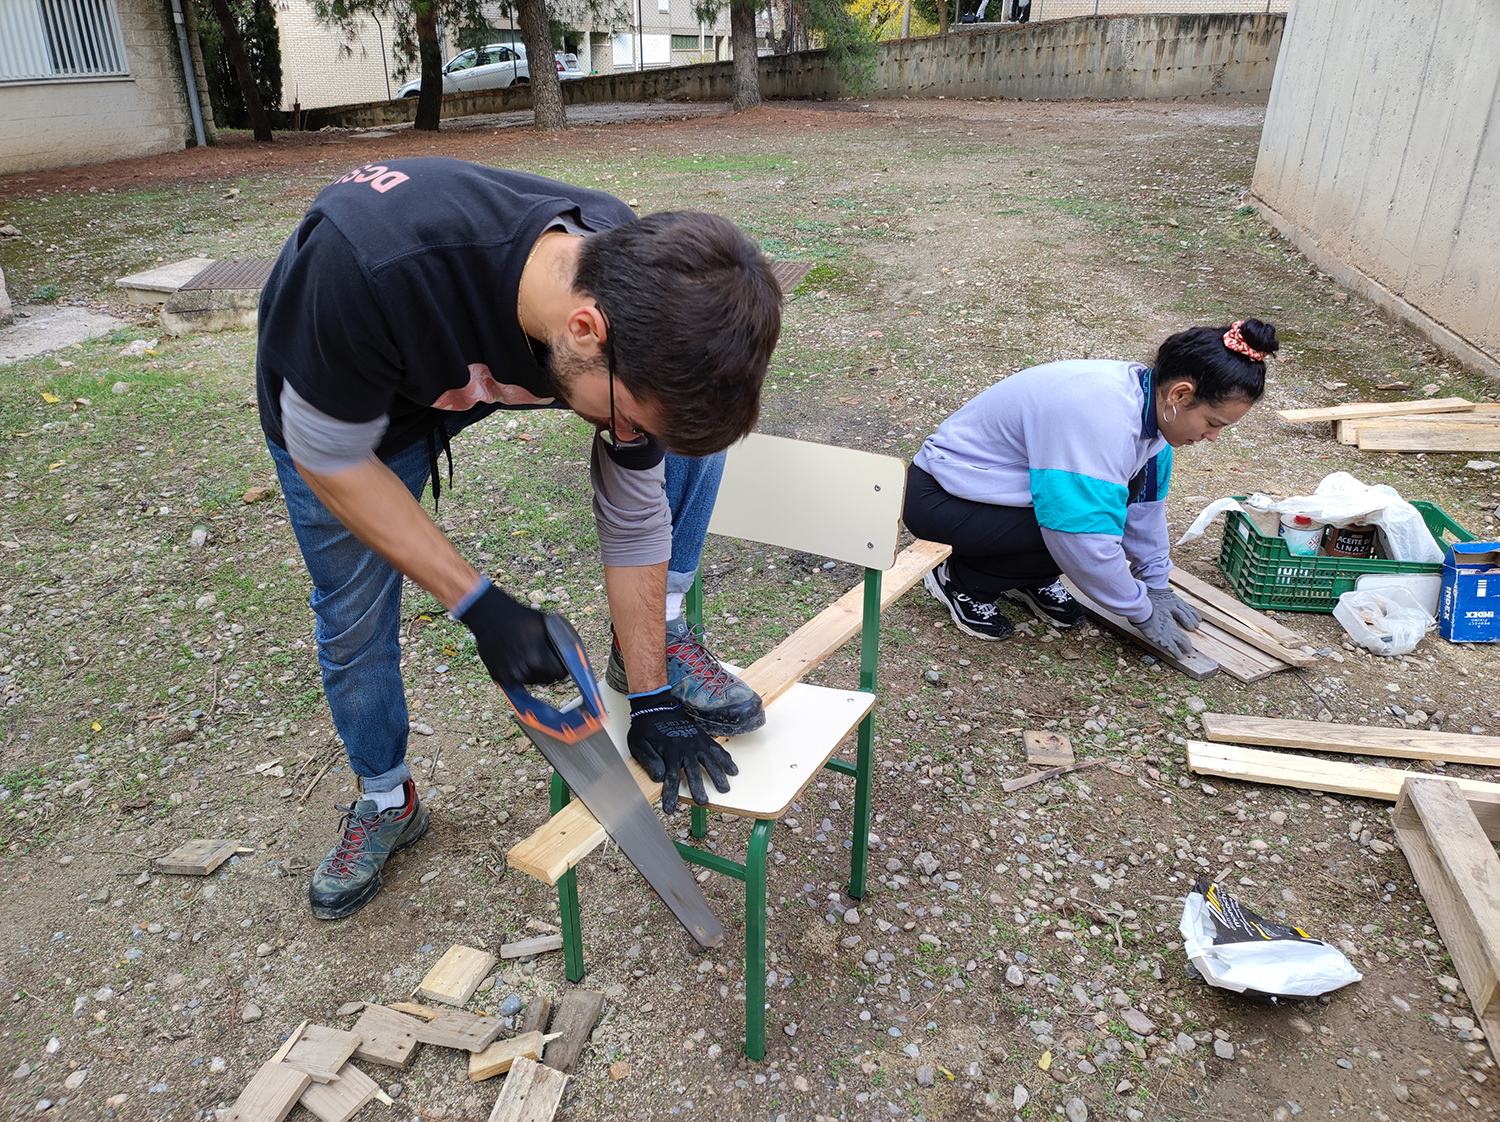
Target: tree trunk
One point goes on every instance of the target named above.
(746, 62)
(546, 90)
(430, 99)
(942, 7)
(237, 58)
(906, 20)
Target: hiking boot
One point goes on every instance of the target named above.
(1051, 602)
(979, 618)
(351, 874)
(720, 703)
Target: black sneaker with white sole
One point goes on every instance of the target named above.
(981, 619)
(1052, 603)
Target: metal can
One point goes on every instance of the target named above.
(1356, 540)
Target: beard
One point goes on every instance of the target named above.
(564, 367)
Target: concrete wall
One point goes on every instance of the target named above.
(1380, 159)
(53, 124)
(1221, 57)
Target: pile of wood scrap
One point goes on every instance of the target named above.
(314, 1066)
(1449, 424)
(1234, 638)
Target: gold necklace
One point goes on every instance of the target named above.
(520, 319)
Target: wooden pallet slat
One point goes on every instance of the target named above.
(455, 976)
(321, 1051)
(198, 857)
(270, 1095)
(532, 1093)
(1196, 665)
(1356, 409)
(1363, 740)
(538, 1010)
(342, 1099)
(498, 1058)
(1417, 437)
(537, 944)
(574, 1022)
(386, 1037)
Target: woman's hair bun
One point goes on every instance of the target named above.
(1260, 335)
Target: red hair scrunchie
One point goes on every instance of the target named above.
(1235, 341)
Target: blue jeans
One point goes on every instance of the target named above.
(357, 600)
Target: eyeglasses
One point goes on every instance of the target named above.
(611, 435)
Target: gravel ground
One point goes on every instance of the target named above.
(1016, 955)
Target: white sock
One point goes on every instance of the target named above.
(674, 604)
(388, 800)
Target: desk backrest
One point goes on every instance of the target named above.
(817, 498)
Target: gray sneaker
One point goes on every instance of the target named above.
(351, 875)
(720, 703)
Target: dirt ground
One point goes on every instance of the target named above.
(155, 689)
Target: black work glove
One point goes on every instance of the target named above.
(1164, 599)
(1163, 630)
(512, 640)
(666, 742)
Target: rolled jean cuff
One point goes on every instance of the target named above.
(386, 780)
(681, 582)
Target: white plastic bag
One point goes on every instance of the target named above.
(1236, 949)
(1387, 621)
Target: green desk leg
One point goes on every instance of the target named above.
(567, 897)
(755, 940)
(864, 772)
(699, 820)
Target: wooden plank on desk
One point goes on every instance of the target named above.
(456, 976)
(1472, 868)
(1375, 409)
(1197, 665)
(1361, 740)
(532, 1093)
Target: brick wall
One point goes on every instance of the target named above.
(64, 123)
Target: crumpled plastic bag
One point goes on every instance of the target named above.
(1384, 621)
(1235, 949)
(1339, 500)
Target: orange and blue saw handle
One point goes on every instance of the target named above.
(576, 724)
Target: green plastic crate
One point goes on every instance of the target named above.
(1265, 574)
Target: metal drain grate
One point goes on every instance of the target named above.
(789, 274)
(233, 273)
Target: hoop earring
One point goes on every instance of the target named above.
(1173, 417)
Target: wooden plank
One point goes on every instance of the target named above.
(386, 1037)
(576, 1014)
(532, 1093)
(1429, 438)
(499, 1056)
(537, 944)
(270, 1094)
(1197, 665)
(1361, 740)
(426, 1012)
(290, 1042)
(1347, 432)
(1257, 634)
(1483, 805)
(1473, 869)
(456, 976)
(537, 1011)
(1011, 785)
(1375, 409)
(321, 1052)
(199, 857)
(572, 833)
(1282, 769)
(467, 1032)
(1235, 657)
(1225, 603)
(1047, 749)
(341, 1100)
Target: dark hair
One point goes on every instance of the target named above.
(1198, 355)
(694, 312)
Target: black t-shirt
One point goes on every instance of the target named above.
(396, 295)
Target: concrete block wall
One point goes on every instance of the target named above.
(64, 123)
(1380, 159)
(1219, 57)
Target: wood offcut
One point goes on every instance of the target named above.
(1363, 740)
(538, 1010)
(321, 1052)
(537, 944)
(386, 1037)
(499, 1056)
(572, 1025)
(456, 976)
(340, 1100)
(1047, 749)
(201, 856)
(270, 1094)
(532, 1093)
(1195, 665)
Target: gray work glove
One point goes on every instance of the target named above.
(1162, 630)
(1165, 600)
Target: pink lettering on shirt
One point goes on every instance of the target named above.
(378, 176)
(482, 387)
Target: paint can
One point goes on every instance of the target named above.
(1356, 540)
(1301, 534)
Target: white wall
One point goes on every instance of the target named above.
(320, 65)
(1380, 158)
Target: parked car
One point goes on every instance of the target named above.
(495, 67)
(567, 66)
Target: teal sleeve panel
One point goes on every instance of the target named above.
(1078, 504)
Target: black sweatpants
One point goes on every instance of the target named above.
(995, 548)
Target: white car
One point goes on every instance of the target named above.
(495, 67)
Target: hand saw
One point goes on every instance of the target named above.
(579, 747)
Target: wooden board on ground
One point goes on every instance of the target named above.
(1012, 785)
(341, 1100)
(537, 944)
(1419, 437)
(573, 1023)
(1240, 619)
(1459, 874)
(386, 1037)
(531, 1093)
(1375, 409)
(270, 1094)
(499, 1056)
(1283, 769)
(1047, 749)
(1362, 740)
(456, 976)
(321, 1051)
(468, 1032)
(1347, 432)
(1197, 665)
(1237, 658)
(537, 1011)
(198, 857)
